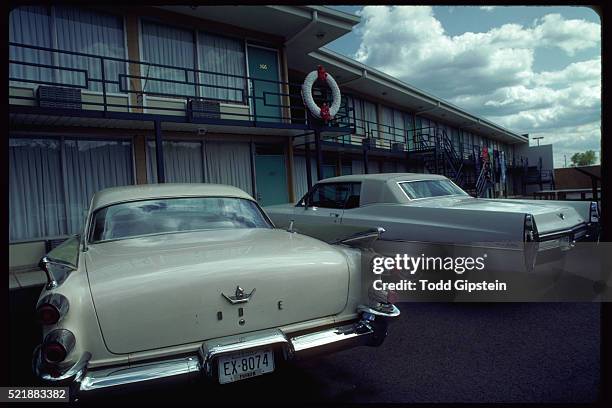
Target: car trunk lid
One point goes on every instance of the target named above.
(165, 290)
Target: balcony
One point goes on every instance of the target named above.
(53, 87)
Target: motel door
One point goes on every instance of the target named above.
(263, 65)
(271, 179)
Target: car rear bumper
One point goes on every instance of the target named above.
(365, 331)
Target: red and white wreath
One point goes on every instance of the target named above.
(324, 112)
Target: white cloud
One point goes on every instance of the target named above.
(491, 73)
(487, 8)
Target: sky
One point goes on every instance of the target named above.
(534, 70)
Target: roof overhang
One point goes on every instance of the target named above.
(375, 85)
(304, 28)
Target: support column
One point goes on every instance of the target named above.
(286, 109)
(290, 170)
(365, 160)
(133, 50)
(140, 157)
(253, 171)
(159, 152)
(308, 167)
(319, 154)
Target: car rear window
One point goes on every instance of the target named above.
(159, 216)
(430, 188)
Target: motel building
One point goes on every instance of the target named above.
(111, 96)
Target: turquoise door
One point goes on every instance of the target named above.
(271, 180)
(263, 64)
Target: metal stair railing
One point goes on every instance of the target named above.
(481, 182)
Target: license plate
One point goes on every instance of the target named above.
(236, 367)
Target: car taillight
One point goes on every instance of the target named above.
(48, 314)
(530, 233)
(594, 212)
(57, 345)
(54, 352)
(52, 308)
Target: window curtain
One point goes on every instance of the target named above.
(90, 167)
(90, 32)
(399, 123)
(36, 195)
(183, 162)
(357, 166)
(357, 105)
(168, 46)
(389, 166)
(387, 122)
(225, 56)
(300, 180)
(371, 119)
(30, 25)
(373, 167)
(229, 163)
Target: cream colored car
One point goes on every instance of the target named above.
(182, 280)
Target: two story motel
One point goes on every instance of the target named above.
(102, 97)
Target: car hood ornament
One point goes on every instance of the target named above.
(239, 296)
(561, 215)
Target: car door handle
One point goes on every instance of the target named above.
(334, 215)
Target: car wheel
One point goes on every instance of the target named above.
(380, 332)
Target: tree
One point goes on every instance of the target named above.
(583, 159)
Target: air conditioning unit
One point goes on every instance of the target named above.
(398, 147)
(199, 109)
(58, 97)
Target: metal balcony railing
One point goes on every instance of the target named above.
(125, 85)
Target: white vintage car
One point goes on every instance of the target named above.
(418, 210)
(178, 280)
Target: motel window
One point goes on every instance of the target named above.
(371, 119)
(52, 181)
(171, 46)
(386, 122)
(357, 105)
(198, 162)
(183, 162)
(222, 60)
(68, 29)
(225, 56)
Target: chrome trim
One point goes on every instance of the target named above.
(56, 300)
(392, 310)
(360, 332)
(111, 377)
(57, 271)
(560, 233)
(62, 336)
(73, 372)
(214, 348)
(365, 237)
(239, 296)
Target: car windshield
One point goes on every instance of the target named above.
(168, 215)
(430, 188)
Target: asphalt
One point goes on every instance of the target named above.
(435, 352)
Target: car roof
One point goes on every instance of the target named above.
(116, 195)
(383, 177)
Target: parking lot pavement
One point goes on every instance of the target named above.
(435, 352)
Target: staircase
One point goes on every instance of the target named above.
(482, 184)
(441, 157)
